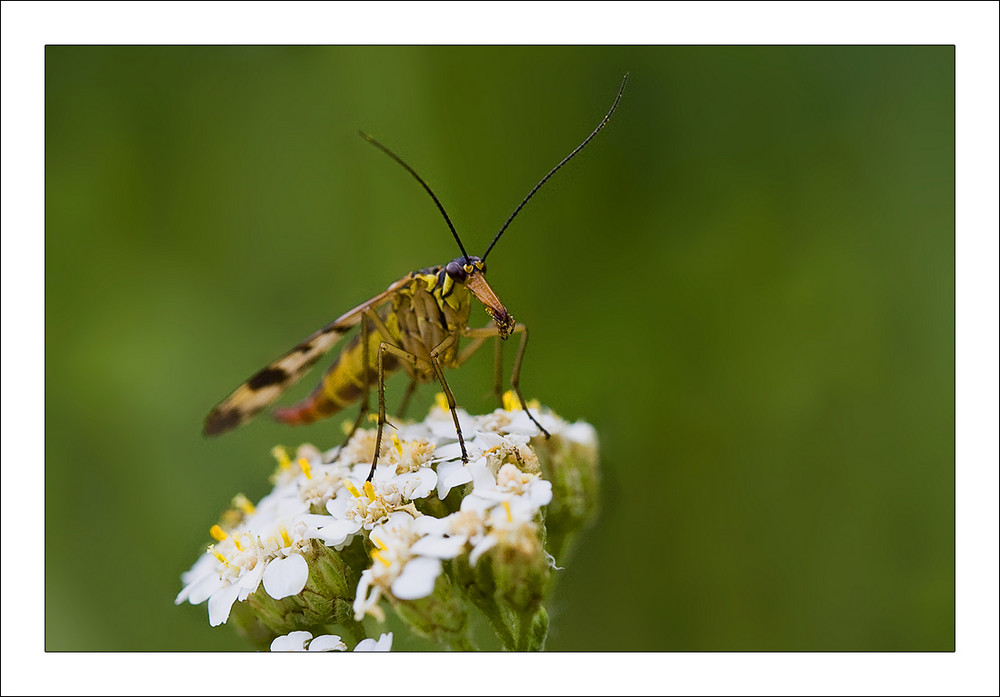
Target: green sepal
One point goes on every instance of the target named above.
(441, 617)
(572, 468)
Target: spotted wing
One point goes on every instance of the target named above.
(268, 384)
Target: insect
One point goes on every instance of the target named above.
(415, 324)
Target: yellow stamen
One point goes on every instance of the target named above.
(378, 555)
(369, 491)
(237, 543)
(441, 401)
(225, 562)
(288, 540)
(395, 442)
(373, 418)
(306, 469)
(510, 401)
(377, 542)
(353, 489)
(218, 533)
(506, 505)
(243, 503)
(279, 453)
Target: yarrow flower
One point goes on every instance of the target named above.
(265, 547)
(430, 536)
(395, 567)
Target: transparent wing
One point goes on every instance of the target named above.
(269, 383)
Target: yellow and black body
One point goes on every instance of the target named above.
(423, 316)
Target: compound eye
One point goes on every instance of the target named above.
(456, 270)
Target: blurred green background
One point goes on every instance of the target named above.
(746, 283)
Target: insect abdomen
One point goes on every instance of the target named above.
(342, 385)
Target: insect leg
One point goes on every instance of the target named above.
(498, 370)
(479, 335)
(436, 364)
(399, 353)
(515, 376)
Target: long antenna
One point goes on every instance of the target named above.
(566, 159)
(416, 176)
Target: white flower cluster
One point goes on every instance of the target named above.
(264, 547)
(323, 499)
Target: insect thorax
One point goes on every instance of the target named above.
(426, 311)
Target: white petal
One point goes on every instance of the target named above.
(338, 531)
(201, 590)
(522, 510)
(206, 566)
(327, 642)
(337, 506)
(206, 562)
(285, 577)
(290, 507)
(450, 475)
(250, 581)
(383, 474)
(314, 520)
(448, 451)
(486, 440)
(293, 641)
(416, 485)
(363, 602)
(444, 427)
(522, 425)
(477, 504)
(415, 431)
(399, 520)
(359, 473)
(481, 475)
(439, 547)
(221, 604)
(484, 545)
(540, 493)
(417, 579)
(429, 525)
(384, 643)
(581, 432)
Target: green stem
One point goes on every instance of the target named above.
(462, 643)
(495, 617)
(533, 629)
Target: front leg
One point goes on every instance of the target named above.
(478, 336)
(515, 377)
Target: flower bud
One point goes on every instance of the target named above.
(441, 616)
(569, 459)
